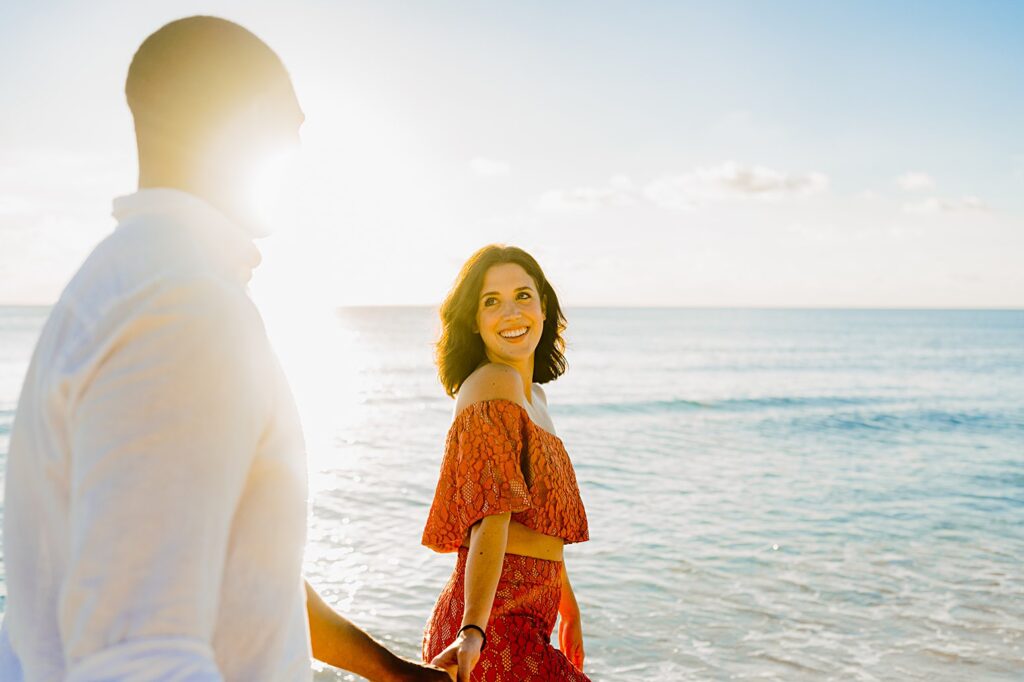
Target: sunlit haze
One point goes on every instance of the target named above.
(648, 154)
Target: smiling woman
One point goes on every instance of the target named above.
(506, 497)
(517, 292)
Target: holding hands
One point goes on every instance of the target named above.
(462, 655)
(418, 672)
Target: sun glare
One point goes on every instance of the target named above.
(267, 183)
(322, 361)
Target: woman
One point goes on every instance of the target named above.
(506, 498)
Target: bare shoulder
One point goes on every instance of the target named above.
(493, 381)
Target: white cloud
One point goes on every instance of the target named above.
(933, 205)
(54, 207)
(671, 192)
(905, 232)
(915, 181)
(818, 232)
(731, 181)
(619, 192)
(726, 182)
(12, 205)
(489, 167)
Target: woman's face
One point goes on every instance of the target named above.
(509, 314)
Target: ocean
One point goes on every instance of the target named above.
(772, 494)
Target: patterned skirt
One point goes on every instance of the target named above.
(522, 619)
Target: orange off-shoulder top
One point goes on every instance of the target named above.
(497, 460)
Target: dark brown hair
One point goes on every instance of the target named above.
(460, 350)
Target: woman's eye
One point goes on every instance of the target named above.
(523, 295)
(490, 300)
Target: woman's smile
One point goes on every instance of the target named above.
(510, 317)
(514, 334)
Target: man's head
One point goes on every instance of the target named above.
(210, 101)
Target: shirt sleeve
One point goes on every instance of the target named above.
(481, 473)
(162, 435)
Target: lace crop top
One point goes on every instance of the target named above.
(497, 460)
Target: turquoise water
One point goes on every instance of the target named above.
(780, 495)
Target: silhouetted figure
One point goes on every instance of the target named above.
(156, 493)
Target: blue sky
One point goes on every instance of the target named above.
(677, 153)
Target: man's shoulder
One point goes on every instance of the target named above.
(156, 248)
(146, 266)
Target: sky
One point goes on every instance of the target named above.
(783, 154)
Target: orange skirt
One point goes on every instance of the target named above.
(522, 620)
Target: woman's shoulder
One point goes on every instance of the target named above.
(491, 382)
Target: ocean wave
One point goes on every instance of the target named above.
(783, 402)
(918, 421)
(729, 404)
(815, 414)
(641, 406)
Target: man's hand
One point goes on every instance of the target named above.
(418, 672)
(461, 656)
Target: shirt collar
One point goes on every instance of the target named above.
(224, 237)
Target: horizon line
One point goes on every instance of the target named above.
(619, 306)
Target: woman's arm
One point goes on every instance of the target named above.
(487, 541)
(338, 642)
(570, 627)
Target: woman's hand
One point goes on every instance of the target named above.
(570, 626)
(462, 654)
(570, 638)
(487, 540)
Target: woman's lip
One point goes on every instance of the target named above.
(526, 330)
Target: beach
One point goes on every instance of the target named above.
(772, 494)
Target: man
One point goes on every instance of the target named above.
(155, 509)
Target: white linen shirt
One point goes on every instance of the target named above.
(156, 490)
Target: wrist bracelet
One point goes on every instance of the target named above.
(478, 629)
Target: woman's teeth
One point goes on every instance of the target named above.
(514, 333)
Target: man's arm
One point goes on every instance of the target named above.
(162, 434)
(338, 642)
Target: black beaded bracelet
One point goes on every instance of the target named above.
(478, 629)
